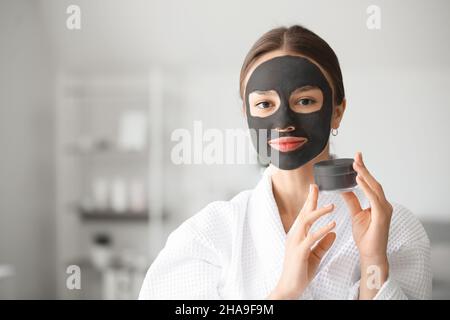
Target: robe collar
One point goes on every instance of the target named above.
(268, 234)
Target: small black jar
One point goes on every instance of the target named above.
(335, 175)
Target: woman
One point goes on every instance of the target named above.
(284, 239)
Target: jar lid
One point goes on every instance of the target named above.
(334, 167)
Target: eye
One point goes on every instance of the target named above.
(263, 105)
(306, 101)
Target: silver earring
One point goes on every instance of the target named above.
(334, 132)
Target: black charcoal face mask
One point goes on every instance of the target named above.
(284, 75)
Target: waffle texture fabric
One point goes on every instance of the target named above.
(235, 249)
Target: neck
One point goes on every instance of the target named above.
(291, 187)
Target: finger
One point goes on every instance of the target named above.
(361, 169)
(371, 195)
(323, 245)
(305, 224)
(321, 248)
(302, 224)
(311, 201)
(352, 203)
(316, 214)
(314, 237)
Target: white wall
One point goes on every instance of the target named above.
(399, 119)
(120, 34)
(26, 141)
(395, 78)
(396, 81)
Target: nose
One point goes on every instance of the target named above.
(287, 129)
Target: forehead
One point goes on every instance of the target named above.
(276, 54)
(286, 74)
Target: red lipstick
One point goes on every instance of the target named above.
(286, 144)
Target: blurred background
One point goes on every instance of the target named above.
(86, 117)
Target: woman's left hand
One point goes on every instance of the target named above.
(370, 226)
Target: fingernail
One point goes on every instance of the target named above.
(330, 205)
(310, 188)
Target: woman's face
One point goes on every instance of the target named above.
(291, 99)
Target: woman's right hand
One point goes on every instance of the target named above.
(301, 256)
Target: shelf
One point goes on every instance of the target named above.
(125, 216)
(110, 215)
(107, 151)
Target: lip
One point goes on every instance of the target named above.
(286, 144)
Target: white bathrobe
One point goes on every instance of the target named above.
(234, 250)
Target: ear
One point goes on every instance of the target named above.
(338, 113)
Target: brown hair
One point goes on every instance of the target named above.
(300, 40)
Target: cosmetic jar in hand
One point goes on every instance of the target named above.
(335, 175)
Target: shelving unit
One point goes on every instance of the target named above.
(89, 148)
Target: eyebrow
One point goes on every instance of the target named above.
(305, 88)
(298, 90)
(263, 91)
